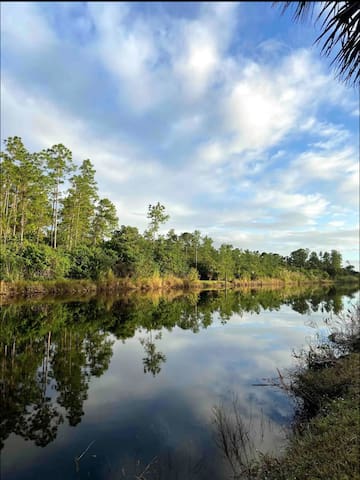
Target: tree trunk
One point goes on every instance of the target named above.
(15, 204)
(56, 212)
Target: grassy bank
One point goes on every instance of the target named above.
(326, 446)
(41, 288)
(326, 439)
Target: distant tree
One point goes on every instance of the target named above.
(226, 263)
(325, 261)
(170, 256)
(196, 236)
(79, 207)
(208, 258)
(313, 261)
(335, 262)
(298, 258)
(105, 220)
(134, 254)
(24, 204)
(350, 269)
(59, 163)
(90, 261)
(157, 216)
(340, 33)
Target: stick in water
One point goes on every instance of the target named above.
(77, 459)
(86, 449)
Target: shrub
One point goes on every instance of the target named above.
(90, 262)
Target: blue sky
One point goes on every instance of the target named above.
(224, 112)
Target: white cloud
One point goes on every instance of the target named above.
(336, 223)
(199, 58)
(211, 154)
(199, 61)
(310, 206)
(187, 124)
(128, 52)
(331, 161)
(23, 27)
(156, 60)
(325, 165)
(195, 123)
(266, 103)
(50, 124)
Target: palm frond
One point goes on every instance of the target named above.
(340, 33)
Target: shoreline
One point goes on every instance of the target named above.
(325, 438)
(84, 287)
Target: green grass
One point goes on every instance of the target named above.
(325, 447)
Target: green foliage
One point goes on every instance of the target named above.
(37, 214)
(105, 220)
(327, 445)
(90, 262)
(298, 258)
(207, 260)
(226, 265)
(326, 385)
(157, 216)
(25, 210)
(78, 208)
(58, 161)
(29, 261)
(134, 253)
(193, 275)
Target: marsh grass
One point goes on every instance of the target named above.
(325, 444)
(325, 440)
(109, 282)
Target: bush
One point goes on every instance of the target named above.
(193, 275)
(90, 262)
(30, 261)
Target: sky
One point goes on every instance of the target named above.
(226, 113)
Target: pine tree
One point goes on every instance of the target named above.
(24, 204)
(59, 163)
(105, 220)
(78, 207)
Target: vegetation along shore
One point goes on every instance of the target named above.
(61, 241)
(325, 437)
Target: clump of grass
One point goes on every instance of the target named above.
(327, 445)
(325, 442)
(321, 376)
(233, 439)
(170, 281)
(192, 279)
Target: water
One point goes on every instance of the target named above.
(111, 388)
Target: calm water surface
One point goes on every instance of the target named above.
(129, 384)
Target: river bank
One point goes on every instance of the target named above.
(57, 288)
(327, 445)
(325, 440)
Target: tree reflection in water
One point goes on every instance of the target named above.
(47, 374)
(50, 351)
(153, 359)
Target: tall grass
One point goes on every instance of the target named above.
(325, 441)
(108, 282)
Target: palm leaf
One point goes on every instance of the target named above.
(340, 35)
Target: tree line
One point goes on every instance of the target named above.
(54, 225)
